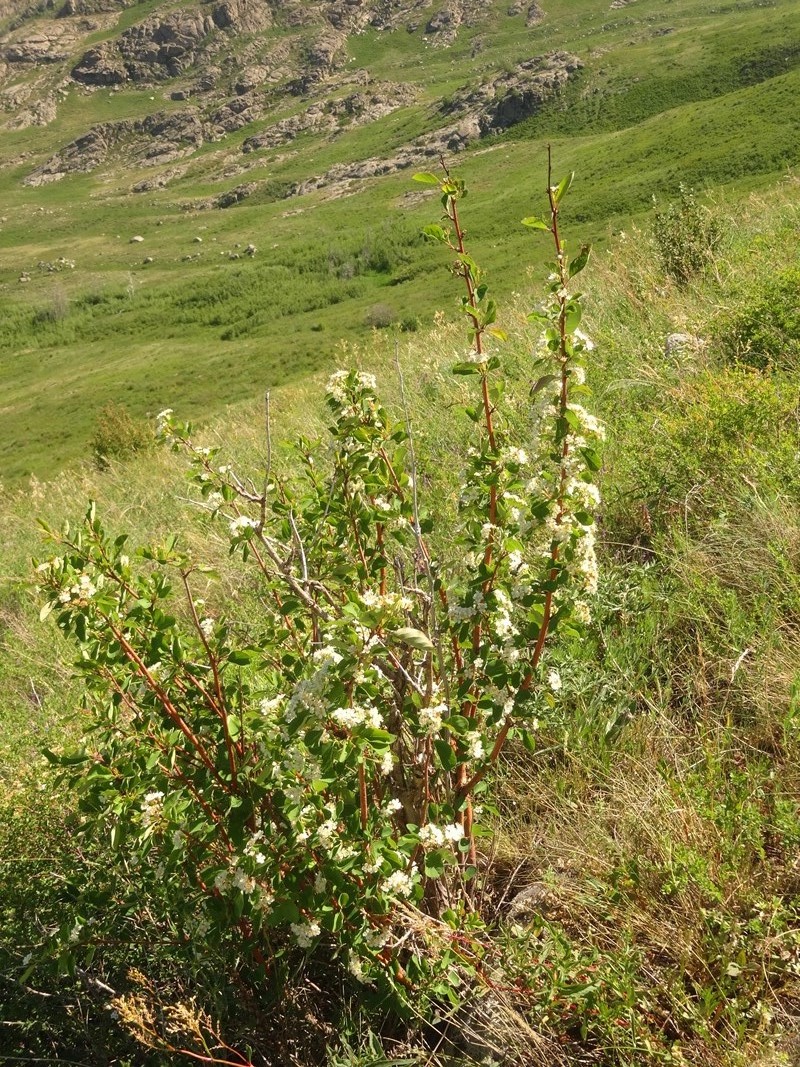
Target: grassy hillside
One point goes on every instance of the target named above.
(657, 819)
(668, 93)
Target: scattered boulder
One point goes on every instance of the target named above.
(236, 195)
(250, 250)
(676, 344)
(137, 240)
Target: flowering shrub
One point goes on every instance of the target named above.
(312, 783)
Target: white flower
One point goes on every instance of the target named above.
(393, 806)
(474, 743)
(267, 706)
(84, 589)
(431, 835)
(304, 933)
(178, 837)
(326, 656)
(242, 523)
(554, 680)
(265, 899)
(454, 832)
(517, 455)
(243, 881)
(152, 808)
(355, 968)
(587, 343)
(222, 881)
(207, 628)
(215, 500)
(398, 884)
(326, 833)
(377, 938)
(320, 883)
(581, 611)
(430, 719)
(335, 386)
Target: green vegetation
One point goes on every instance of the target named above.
(668, 94)
(655, 817)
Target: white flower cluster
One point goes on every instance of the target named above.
(242, 523)
(430, 719)
(152, 808)
(352, 718)
(398, 884)
(83, 589)
(385, 602)
(163, 421)
(304, 933)
(338, 381)
(235, 878)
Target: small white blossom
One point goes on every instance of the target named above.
(152, 808)
(304, 933)
(242, 523)
(474, 743)
(454, 832)
(554, 680)
(268, 706)
(430, 719)
(431, 835)
(398, 884)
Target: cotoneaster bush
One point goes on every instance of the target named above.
(315, 781)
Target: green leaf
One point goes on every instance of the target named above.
(444, 751)
(434, 865)
(45, 611)
(535, 223)
(407, 635)
(563, 187)
(435, 232)
(426, 178)
(467, 368)
(543, 382)
(572, 319)
(580, 261)
(459, 724)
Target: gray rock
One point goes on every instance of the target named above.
(137, 240)
(676, 343)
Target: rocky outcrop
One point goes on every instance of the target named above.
(50, 43)
(512, 97)
(101, 66)
(444, 24)
(89, 7)
(157, 139)
(367, 105)
(163, 47)
(486, 109)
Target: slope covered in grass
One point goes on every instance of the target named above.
(666, 93)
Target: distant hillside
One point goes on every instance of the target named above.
(202, 199)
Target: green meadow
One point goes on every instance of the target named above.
(684, 92)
